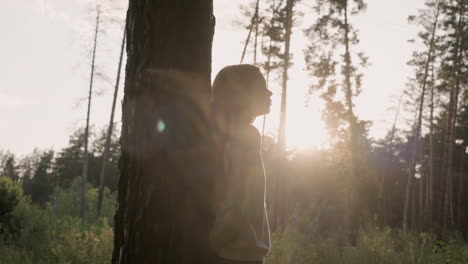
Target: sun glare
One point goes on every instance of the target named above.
(304, 126)
(305, 129)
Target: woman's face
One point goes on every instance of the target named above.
(261, 97)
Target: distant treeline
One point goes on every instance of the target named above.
(44, 170)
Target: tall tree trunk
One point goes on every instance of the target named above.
(421, 194)
(86, 134)
(164, 189)
(270, 44)
(460, 188)
(353, 214)
(105, 155)
(443, 186)
(414, 208)
(257, 21)
(430, 185)
(349, 97)
(382, 199)
(447, 215)
(284, 88)
(353, 222)
(253, 24)
(415, 147)
(280, 200)
(349, 92)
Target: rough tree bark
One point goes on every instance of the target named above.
(164, 190)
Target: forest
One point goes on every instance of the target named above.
(124, 192)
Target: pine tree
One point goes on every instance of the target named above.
(105, 155)
(429, 21)
(453, 72)
(288, 24)
(68, 161)
(273, 21)
(40, 186)
(274, 24)
(335, 67)
(8, 167)
(84, 174)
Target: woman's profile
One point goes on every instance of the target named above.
(240, 233)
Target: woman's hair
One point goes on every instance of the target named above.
(231, 94)
(233, 86)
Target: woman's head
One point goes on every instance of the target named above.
(240, 90)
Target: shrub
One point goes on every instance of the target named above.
(10, 196)
(295, 244)
(54, 234)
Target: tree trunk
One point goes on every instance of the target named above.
(105, 155)
(421, 194)
(352, 222)
(253, 24)
(382, 196)
(257, 21)
(164, 189)
(447, 215)
(280, 196)
(86, 133)
(349, 92)
(415, 148)
(284, 89)
(413, 223)
(430, 185)
(460, 188)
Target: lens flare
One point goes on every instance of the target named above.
(160, 126)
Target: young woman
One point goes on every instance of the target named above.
(240, 233)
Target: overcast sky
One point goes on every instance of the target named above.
(45, 59)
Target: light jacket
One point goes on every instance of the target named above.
(241, 230)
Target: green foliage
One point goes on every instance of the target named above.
(63, 240)
(69, 161)
(8, 166)
(40, 185)
(10, 196)
(55, 234)
(40, 201)
(334, 66)
(451, 252)
(112, 167)
(66, 202)
(373, 246)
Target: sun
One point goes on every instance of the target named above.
(304, 128)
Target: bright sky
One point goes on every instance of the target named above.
(45, 58)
